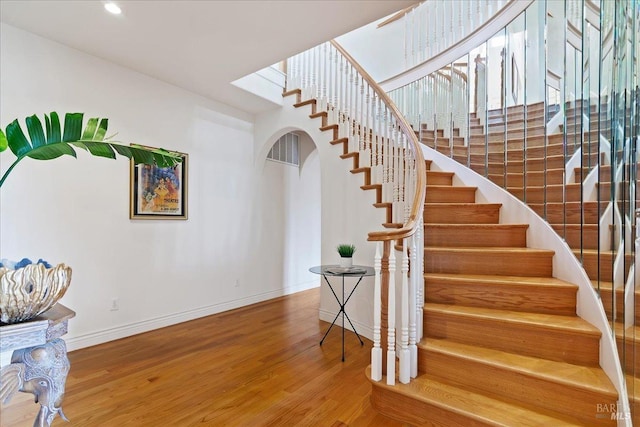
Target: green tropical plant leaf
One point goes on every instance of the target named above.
(102, 130)
(54, 135)
(52, 151)
(52, 142)
(36, 133)
(18, 143)
(72, 127)
(4, 144)
(90, 129)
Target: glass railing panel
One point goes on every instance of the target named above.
(458, 71)
(478, 111)
(495, 75)
(513, 120)
(535, 176)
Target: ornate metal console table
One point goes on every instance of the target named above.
(33, 359)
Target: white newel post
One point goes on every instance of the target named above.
(391, 327)
(405, 371)
(376, 351)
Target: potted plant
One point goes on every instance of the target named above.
(346, 254)
(30, 289)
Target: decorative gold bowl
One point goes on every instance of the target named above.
(31, 290)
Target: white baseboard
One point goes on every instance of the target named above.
(363, 330)
(123, 331)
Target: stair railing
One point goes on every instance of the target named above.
(435, 25)
(381, 140)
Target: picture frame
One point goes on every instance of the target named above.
(159, 193)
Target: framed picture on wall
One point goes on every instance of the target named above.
(159, 193)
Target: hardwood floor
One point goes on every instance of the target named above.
(255, 366)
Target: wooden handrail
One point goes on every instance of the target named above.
(421, 175)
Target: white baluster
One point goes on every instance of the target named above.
(305, 73)
(387, 192)
(405, 357)
(361, 119)
(326, 81)
(407, 194)
(376, 351)
(314, 72)
(336, 86)
(395, 175)
(391, 310)
(413, 301)
(340, 79)
(368, 129)
(287, 80)
(379, 140)
(420, 280)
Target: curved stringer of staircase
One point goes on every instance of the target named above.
(501, 342)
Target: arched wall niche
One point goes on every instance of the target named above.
(290, 196)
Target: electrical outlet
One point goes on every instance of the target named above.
(115, 304)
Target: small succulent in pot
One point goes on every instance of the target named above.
(346, 253)
(345, 250)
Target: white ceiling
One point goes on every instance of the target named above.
(202, 45)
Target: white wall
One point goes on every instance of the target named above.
(366, 43)
(76, 211)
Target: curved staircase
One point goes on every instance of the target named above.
(502, 342)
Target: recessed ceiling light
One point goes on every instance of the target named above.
(113, 8)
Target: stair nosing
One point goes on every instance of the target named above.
(497, 279)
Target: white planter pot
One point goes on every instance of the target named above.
(346, 261)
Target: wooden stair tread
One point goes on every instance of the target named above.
(292, 92)
(510, 280)
(544, 321)
(339, 141)
(631, 332)
(329, 127)
(364, 169)
(594, 252)
(483, 409)
(430, 172)
(576, 226)
(462, 204)
(305, 102)
(583, 377)
(494, 250)
(451, 188)
(602, 284)
(477, 226)
(633, 385)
